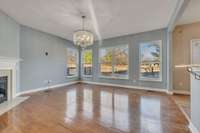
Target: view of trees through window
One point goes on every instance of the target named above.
(114, 61)
(72, 62)
(87, 62)
(106, 61)
(150, 60)
(121, 61)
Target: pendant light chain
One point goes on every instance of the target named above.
(83, 23)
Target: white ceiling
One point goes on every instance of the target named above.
(107, 18)
(192, 13)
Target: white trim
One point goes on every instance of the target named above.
(113, 77)
(149, 79)
(46, 88)
(10, 59)
(192, 128)
(183, 92)
(177, 13)
(192, 42)
(170, 92)
(8, 63)
(126, 86)
(73, 76)
(86, 76)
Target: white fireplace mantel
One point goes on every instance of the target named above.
(7, 63)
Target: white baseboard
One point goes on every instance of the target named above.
(45, 88)
(90, 82)
(170, 92)
(126, 86)
(183, 92)
(193, 129)
(106, 84)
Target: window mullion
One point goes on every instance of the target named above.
(113, 61)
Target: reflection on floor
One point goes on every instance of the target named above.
(183, 101)
(6, 106)
(84, 108)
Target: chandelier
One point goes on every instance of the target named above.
(83, 38)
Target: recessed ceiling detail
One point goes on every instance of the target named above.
(106, 18)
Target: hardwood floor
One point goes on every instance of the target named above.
(84, 108)
(183, 101)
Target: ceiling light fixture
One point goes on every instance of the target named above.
(83, 38)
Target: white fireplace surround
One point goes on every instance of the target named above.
(12, 64)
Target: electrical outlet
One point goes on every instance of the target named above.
(47, 81)
(50, 81)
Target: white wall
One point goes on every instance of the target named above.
(195, 102)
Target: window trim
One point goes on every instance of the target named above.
(77, 63)
(82, 72)
(99, 63)
(160, 43)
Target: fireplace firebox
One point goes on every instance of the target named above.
(3, 89)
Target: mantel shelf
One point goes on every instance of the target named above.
(10, 59)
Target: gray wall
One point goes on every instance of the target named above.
(9, 36)
(195, 98)
(30, 45)
(133, 41)
(36, 67)
(9, 39)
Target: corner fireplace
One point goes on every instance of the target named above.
(3, 89)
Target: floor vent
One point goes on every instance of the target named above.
(150, 91)
(47, 91)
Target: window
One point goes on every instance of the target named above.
(114, 62)
(151, 61)
(121, 61)
(106, 61)
(72, 62)
(87, 62)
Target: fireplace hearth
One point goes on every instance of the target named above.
(3, 89)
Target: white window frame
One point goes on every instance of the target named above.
(160, 43)
(82, 68)
(77, 62)
(113, 63)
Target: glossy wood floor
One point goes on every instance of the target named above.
(83, 108)
(183, 101)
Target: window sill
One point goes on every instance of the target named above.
(71, 76)
(111, 77)
(87, 76)
(150, 80)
